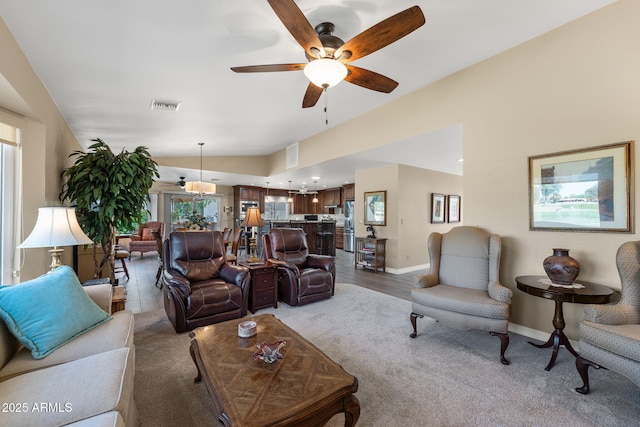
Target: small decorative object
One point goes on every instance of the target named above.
(269, 353)
(372, 232)
(247, 329)
(195, 221)
(561, 268)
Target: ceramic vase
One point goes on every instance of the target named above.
(561, 268)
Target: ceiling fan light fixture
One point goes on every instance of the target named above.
(325, 72)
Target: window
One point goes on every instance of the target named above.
(9, 202)
(183, 208)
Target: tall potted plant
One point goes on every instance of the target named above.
(109, 192)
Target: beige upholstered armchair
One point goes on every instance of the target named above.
(462, 289)
(610, 334)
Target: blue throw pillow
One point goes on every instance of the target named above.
(47, 312)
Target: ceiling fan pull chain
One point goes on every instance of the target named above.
(326, 107)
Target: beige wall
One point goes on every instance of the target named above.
(574, 87)
(408, 203)
(577, 86)
(46, 138)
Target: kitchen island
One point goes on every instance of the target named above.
(321, 235)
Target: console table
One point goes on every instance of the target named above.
(592, 293)
(370, 253)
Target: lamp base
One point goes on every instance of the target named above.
(252, 251)
(55, 258)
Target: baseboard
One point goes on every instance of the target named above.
(407, 269)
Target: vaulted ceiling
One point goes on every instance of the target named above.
(104, 63)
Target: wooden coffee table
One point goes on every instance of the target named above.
(304, 388)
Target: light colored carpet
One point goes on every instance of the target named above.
(444, 377)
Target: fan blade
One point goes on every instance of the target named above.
(370, 80)
(311, 96)
(268, 68)
(298, 25)
(382, 34)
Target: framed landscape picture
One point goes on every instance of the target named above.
(438, 208)
(453, 210)
(583, 190)
(375, 208)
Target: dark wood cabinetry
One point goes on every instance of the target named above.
(339, 237)
(247, 194)
(349, 192)
(264, 286)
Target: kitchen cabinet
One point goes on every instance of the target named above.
(247, 194)
(302, 204)
(331, 197)
(349, 192)
(339, 237)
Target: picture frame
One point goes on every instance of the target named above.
(453, 208)
(586, 190)
(438, 208)
(375, 208)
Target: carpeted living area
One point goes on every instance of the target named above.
(444, 377)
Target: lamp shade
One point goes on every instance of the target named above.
(325, 72)
(252, 218)
(56, 226)
(199, 187)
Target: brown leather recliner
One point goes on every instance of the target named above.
(302, 278)
(200, 287)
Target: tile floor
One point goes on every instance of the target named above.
(142, 294)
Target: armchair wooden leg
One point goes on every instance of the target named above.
(582, 365)
(504, 343)
(413, 318)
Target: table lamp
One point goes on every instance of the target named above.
(56, 226)
(252, 219)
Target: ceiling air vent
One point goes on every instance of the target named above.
(292, 156)
(165, 105)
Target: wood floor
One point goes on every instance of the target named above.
(142, 295)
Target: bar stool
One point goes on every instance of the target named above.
(324, 238)
(121, 254)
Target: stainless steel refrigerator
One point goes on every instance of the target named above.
(349, 238)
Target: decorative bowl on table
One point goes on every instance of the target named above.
(269, 352)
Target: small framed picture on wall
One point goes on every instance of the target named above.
(438, 208)
(453, 212)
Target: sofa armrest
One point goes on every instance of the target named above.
(324, 262)
(101, 295)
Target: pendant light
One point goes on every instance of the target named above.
(198, 187)
(290, 199)
(315, 189)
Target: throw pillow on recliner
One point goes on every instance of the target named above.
(49, 311)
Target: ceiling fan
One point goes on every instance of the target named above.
(329, 56)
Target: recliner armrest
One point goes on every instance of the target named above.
(178, 281)
(236, 274)
(324, 262)
(101, 295)
(287, 265)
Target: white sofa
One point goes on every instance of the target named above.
(86, 382)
